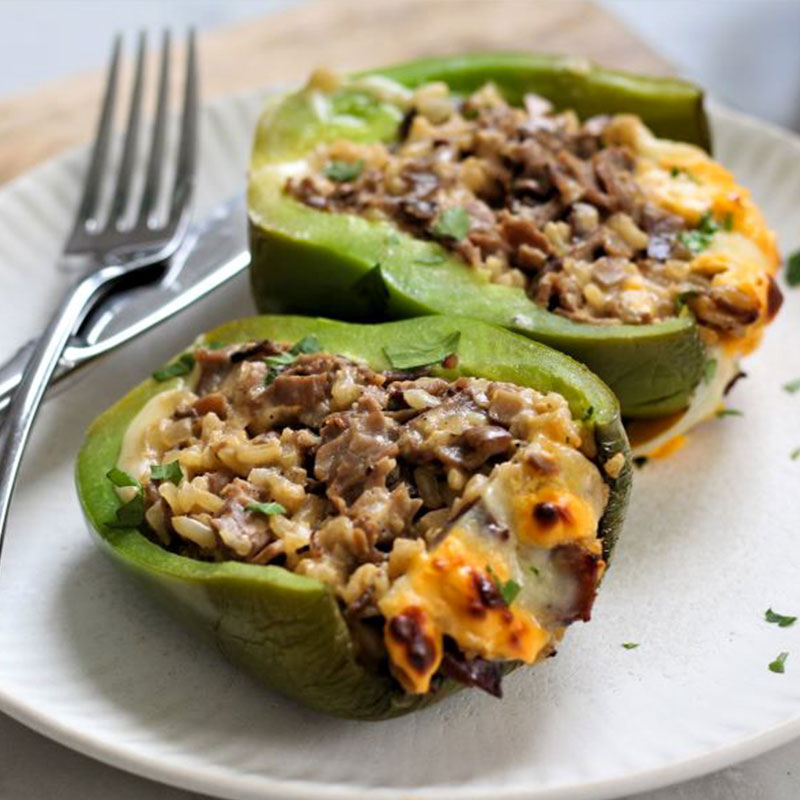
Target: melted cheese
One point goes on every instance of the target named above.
(441, 589)
(137, 453)
(653, 437)
(686, 181)
(496, 540)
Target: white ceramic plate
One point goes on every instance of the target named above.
(710, 543)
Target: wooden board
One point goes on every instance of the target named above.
(282, 48)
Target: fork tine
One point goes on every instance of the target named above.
(152, 183)
(87, 208)
(125, 177)
(187, 147)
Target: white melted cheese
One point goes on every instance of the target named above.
(705, 403)
(137, 454)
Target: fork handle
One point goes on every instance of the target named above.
(43, 362)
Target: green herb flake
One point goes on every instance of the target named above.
(411, 357)
(777, 664)
(267, 509)
(729, 412)
(508, 589)
(588, 414)
(308, 344)
(795, 454)
(181, 366)
(710, 370)
(700, 238)
(281, 359)
(344, 171)
(275, 364)
(682, 300)
(170, 473)
(727, 222)
(676, 172)
(534, 571)
(120, 478)
(640, 461)
(780, 620)
(793, 269)
(452, 223)
(630, 645)
(130, 515)
(792, 387)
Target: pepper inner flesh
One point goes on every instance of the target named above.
(598, 221)
(455, 521)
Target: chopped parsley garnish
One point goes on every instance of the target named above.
(630, 645)
(344, 171)
(792, 386)
(508, 589)
(267, 509)
(709, 370)
(682, 300)
(120, 478)
(781, 620)
(181, 366)
(534, 570)
(777, 664)
(410, 357)
(730, 412)
(131, 514)
(272, 373)
(452, 223)
(170, 473)
(700, 238)
(308, 344)
(727, 222)
(795, 454)
(793, 269)
(676, 172)
(640, 461)
(588, 414)
(281, 359)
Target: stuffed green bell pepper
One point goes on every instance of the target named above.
(525, 191)
(365, 517)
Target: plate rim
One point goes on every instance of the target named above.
(242, 785)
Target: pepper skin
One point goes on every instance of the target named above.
(345, 266)
(284, 628)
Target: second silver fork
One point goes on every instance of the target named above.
(111, 252)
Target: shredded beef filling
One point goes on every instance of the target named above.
(531, 199)
(320, 464)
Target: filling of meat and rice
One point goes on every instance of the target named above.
(456, 521)
(598, 221)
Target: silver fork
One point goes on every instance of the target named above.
(110, 252)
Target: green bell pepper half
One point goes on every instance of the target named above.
(286, 629)
(349, 267)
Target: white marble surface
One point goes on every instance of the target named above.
(731, 62)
